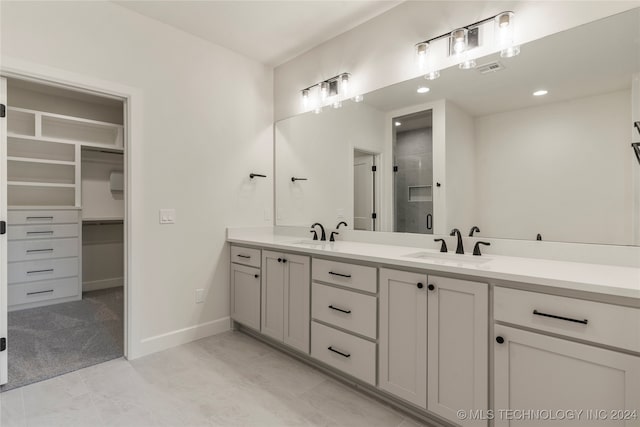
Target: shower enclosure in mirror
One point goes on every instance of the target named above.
(413, 173)
(537, 144)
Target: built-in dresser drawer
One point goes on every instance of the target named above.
(25, 293)
(26, 250)
(349, 310)
(245, 256)
(46, 269)
(350, 275)
(19, 232)
(348, 353)
(602, 323)
(23, 217)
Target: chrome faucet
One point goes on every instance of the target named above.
(459, 248)
(315, 235)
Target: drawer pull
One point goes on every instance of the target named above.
(48, 270)
(244, 256)
(330, 348)
(39, 232)
(40, 292)
(348, 276)
(30, 251)
(39, 217)
(339, 309)
(553, 316)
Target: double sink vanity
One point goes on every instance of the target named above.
(439, 333)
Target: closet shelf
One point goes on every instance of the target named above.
(109, 147)
(35, 160)
(39, 184)
(41, 207)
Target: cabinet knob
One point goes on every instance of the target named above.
(499, 339)
(256, 276)
(284, 260)
(279, 259)
(420, 285)
(431, 287)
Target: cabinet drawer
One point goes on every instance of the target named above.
(25, 293)
(350, 275)
(608, 324)
(348, 310)
(20, 232)
(32, 271)
(246, 256)
(26, 250)
(23, 217)
(350, 354)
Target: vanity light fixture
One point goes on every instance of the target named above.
(328, 92)
(423, 89)
(464, 39)
(540, 92)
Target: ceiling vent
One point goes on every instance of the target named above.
(490, 67)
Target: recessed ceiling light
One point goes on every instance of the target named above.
(540, 92)
(423, 89)
(398, 123)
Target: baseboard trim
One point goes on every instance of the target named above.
(182, 336)
(96, 285)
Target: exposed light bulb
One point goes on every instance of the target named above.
(421, 54)
(344, 85)
(423, 89)
(504, 28)
(305, 98)
(459, 39)
(324, 90)
(432, 75)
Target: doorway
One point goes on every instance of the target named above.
(413, 172)
(63, 174)
(364, 190)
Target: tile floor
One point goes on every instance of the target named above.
(226, 380)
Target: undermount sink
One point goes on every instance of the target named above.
(436, 256)
(310, 243)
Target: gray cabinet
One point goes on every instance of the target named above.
(245, 295)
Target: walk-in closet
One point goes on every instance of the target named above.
(66, 205)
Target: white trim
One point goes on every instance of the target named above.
(134, 101)
(183, 336)
(96, 285)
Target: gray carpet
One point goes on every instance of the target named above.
(45, 342)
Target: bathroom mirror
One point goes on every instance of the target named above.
(537, 146)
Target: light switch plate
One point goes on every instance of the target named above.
(167, 216)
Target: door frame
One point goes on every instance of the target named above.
(4, 327)
(133, 101)
(378, 160)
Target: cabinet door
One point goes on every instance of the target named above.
(534, 371)
(297, 284)
(403, 335)
(245, 295)
(458, 372)
(272, 294)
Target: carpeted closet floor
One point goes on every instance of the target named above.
(45, 342)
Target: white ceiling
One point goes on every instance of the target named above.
(271, 32)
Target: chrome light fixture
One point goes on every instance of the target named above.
(330, 92)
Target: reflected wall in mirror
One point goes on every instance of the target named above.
(536, 144)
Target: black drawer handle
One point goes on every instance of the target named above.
(40, 292)
(30, 251)
(49, 270)
(348, 276)
(39, 217)
(39, 232)
(339, 309)
(244, 256)
(339, 352)
(553, 316)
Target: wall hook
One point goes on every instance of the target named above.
(253, 175)
(294, 179)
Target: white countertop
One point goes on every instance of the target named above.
(596, 278)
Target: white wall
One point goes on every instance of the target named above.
(540, 170)
(320, 147)
(207, 123)
(380, 52)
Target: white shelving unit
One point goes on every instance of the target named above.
(44, 155)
